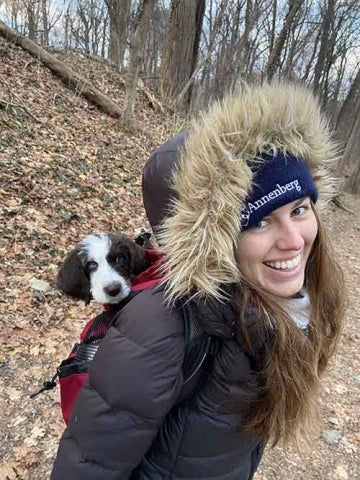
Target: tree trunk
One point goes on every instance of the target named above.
(273, 26)
(32, 18)
(245, 41)
(310, 63)
(119, 12)
(326, 27)
(347, 130)
(181, 47)
(137, 49)
(200, 10)
(67, 31)
(351, 163)
(275, 54)
(69, 77)
(45, 23)
(83, 35)
(353, 184)
(214, 25)
(345, 118)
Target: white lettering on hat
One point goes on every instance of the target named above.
(250, 207)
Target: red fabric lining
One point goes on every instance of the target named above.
(69, 389)
(151, 276)
(88, 325)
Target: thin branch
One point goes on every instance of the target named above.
(21, 103)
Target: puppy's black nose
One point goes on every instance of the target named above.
(113, 289)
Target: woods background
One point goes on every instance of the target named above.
(186, 53)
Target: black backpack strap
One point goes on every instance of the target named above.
(214, 346)
(86, 350)
(83, 352)
(200, 349)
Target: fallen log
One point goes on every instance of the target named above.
(70, 78)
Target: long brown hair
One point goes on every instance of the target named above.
(287, 407)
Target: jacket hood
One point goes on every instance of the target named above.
(212, 179)
(157, 175)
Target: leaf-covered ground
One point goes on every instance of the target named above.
(66, 170)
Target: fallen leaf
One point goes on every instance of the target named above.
(39, 285)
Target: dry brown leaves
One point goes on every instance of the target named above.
(72, 173)
(75, 172)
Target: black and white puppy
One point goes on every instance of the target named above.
(101, 267)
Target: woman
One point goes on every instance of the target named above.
(246, 248)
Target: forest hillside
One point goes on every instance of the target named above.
(68, 169)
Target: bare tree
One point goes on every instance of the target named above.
(45, 23)
(238, 37)
(32, 12)
(85, 26)
(300, 36)
(351, 154)
(345, 119)
(274, 12)
(275, 54)
(347, 130)
(214, 21)
(145, 11)
(181, 47)
(67, 29)
(48, 19)
(119, 14)
(154, 43)
(245, 44)
(14, 9)
(327, 29)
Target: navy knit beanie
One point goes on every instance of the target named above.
(278, 179)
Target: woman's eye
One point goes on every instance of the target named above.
(261, 224)
(299, 210)
(91, 266)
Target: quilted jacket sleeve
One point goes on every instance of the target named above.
(134, 381)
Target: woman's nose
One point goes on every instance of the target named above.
(290, 237)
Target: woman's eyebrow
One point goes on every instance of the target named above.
(298, 202)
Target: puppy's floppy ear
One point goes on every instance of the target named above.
(71, 278)
(138, 260)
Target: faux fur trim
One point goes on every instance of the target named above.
(213, 179)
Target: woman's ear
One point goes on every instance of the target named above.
(71, 278)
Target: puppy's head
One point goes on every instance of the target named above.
(101, 267)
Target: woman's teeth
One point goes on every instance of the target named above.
(288, 265)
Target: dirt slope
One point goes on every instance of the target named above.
(66, 169)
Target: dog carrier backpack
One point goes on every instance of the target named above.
(72, 373)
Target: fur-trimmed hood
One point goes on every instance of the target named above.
(213, 178)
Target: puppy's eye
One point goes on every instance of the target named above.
(121, 259)
(91, 266)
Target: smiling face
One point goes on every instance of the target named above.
(274, 253)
